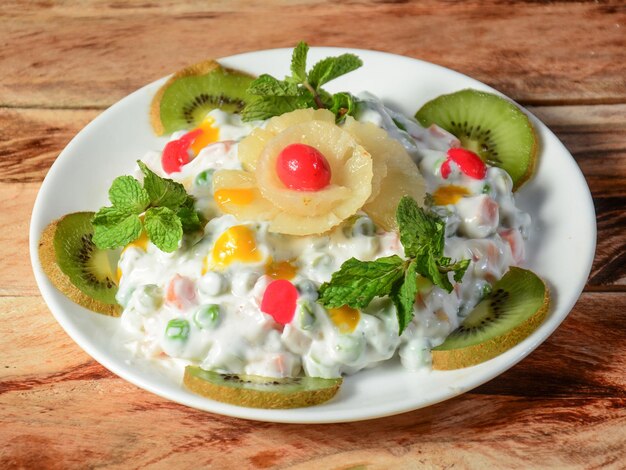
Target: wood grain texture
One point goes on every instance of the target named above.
(57, 54)
(16, 277)
(62, 62)
(570, 395)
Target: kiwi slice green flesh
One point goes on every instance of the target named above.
(488, 125)
(515, 308)
(191, 93)
(260, 392)
(76, 266)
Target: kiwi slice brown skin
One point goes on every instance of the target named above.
(460, 356)
(202, 68)
(260, 392)
(60, 280)
(489, 125)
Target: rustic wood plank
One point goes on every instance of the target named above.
(36, 348)
(31, 139)
(16, 277)
(471, 432)
(58, 55)
(609, 266)
(596, 137)
(562, 406)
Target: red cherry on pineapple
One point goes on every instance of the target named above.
(303, 168)
(468, 162)
(279, 301)
(176, 153)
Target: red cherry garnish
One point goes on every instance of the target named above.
(468, 162)
(176, 153)
(279, 301)
(303, 168)
(445, 169)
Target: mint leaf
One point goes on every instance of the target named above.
(189, 219)
(189, 202)
(403, 296)
(170, 210)
(332, 67)
(266, 85)
(428, 267)
(268, 106)
(127, 194)
(418, 229)
(109, 216)
(298, 62)
(423, 237)
(358, 282)
(162, 191)
(164, 228)
(114, 227)
(343, 104)
(458, 268)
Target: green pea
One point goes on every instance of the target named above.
(323, 261)
(207, 316)
(349, 348)
(307, 316)
(123, 297)
(204, 178)
(486, 290)
(307, 288)
(151, 296)
(177, 329)
(359, 226)
(399, 125)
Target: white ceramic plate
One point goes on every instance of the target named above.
(561, 247)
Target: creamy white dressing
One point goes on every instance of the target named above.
(215, 319)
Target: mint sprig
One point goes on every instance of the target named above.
(168, 212)
(422, 236)
(301, 89)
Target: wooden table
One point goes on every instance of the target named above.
(63, 62)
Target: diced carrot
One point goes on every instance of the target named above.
(514, 238)
(181, 292)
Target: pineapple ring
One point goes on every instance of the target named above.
(403, 179)
(395, 173)
(344, 156)
(258, 193)
(379, 144)
(280, 123)
(231, 186)
(251, 147)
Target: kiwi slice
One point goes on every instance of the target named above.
(260, 392)
(515, 308)
(192, 92)
(76, 266)
(488, 125)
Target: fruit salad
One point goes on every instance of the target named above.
(285, 237)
